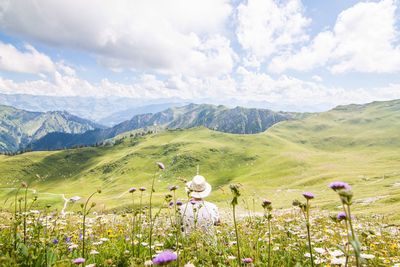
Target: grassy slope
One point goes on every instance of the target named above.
(360, 145)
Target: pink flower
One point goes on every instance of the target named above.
(247, 260)
(78, 261)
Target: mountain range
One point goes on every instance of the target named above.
(238, 120)
(357, 144)
(106, 111)
(18, 128)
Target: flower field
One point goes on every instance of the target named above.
(145, 235)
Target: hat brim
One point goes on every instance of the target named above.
(201, 194)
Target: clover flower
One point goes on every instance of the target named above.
(78, 261)
(165, 257)
(247, 260)
(308, 195)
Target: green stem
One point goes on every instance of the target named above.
(176, 229)
(353, 235)
(15, 219)
(150, 214)
(45, 238)
(348, 238)
(25, 207)
(237, 236)
(308, 232)
(84, 223)
(140, 222)
(133, 226)
(269, 240)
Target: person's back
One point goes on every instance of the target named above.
(199, 214)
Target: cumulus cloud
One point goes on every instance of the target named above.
(182, 49)
(266, 27)
(363, 39)
(293, 92)
(176, 36)
(28, 60)
(284, 92)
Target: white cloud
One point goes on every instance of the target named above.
(316, 54)
(364, 39)
(317, 78)
(28, 60)
(268, 26)
(176, 36)
(284, 92)
(290, 92)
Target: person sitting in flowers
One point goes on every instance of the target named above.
(197, 213)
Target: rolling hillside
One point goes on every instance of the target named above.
(19, 127)
(358, 144)
(220, 118)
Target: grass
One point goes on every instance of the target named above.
(356, 144)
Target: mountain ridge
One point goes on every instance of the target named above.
(237, 120)
(18, 128)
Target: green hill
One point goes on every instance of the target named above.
(220, 118)
(20, 127)
(359, 144)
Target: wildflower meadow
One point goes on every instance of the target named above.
(146, 234)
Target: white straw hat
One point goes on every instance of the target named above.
(199, 187)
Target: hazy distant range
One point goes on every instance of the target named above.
(113, 110)
(106, 111)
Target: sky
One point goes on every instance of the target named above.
(293, 55)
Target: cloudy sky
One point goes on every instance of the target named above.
(292, 54)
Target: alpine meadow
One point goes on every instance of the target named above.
(212, 133)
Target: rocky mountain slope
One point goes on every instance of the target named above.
(238, 120)
(19, 127)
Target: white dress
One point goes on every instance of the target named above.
(199, 214)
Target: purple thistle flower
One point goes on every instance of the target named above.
(80, 236)
(55, 241)
(171, 203)
(165, 257)
(342, 216)
(266, 203)
(308, 195)
(132, 189)
(179, 203)
(247, 260)
(160, 165)
(67, 239)
(78, 261)
(142, 189)
(339, 185)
